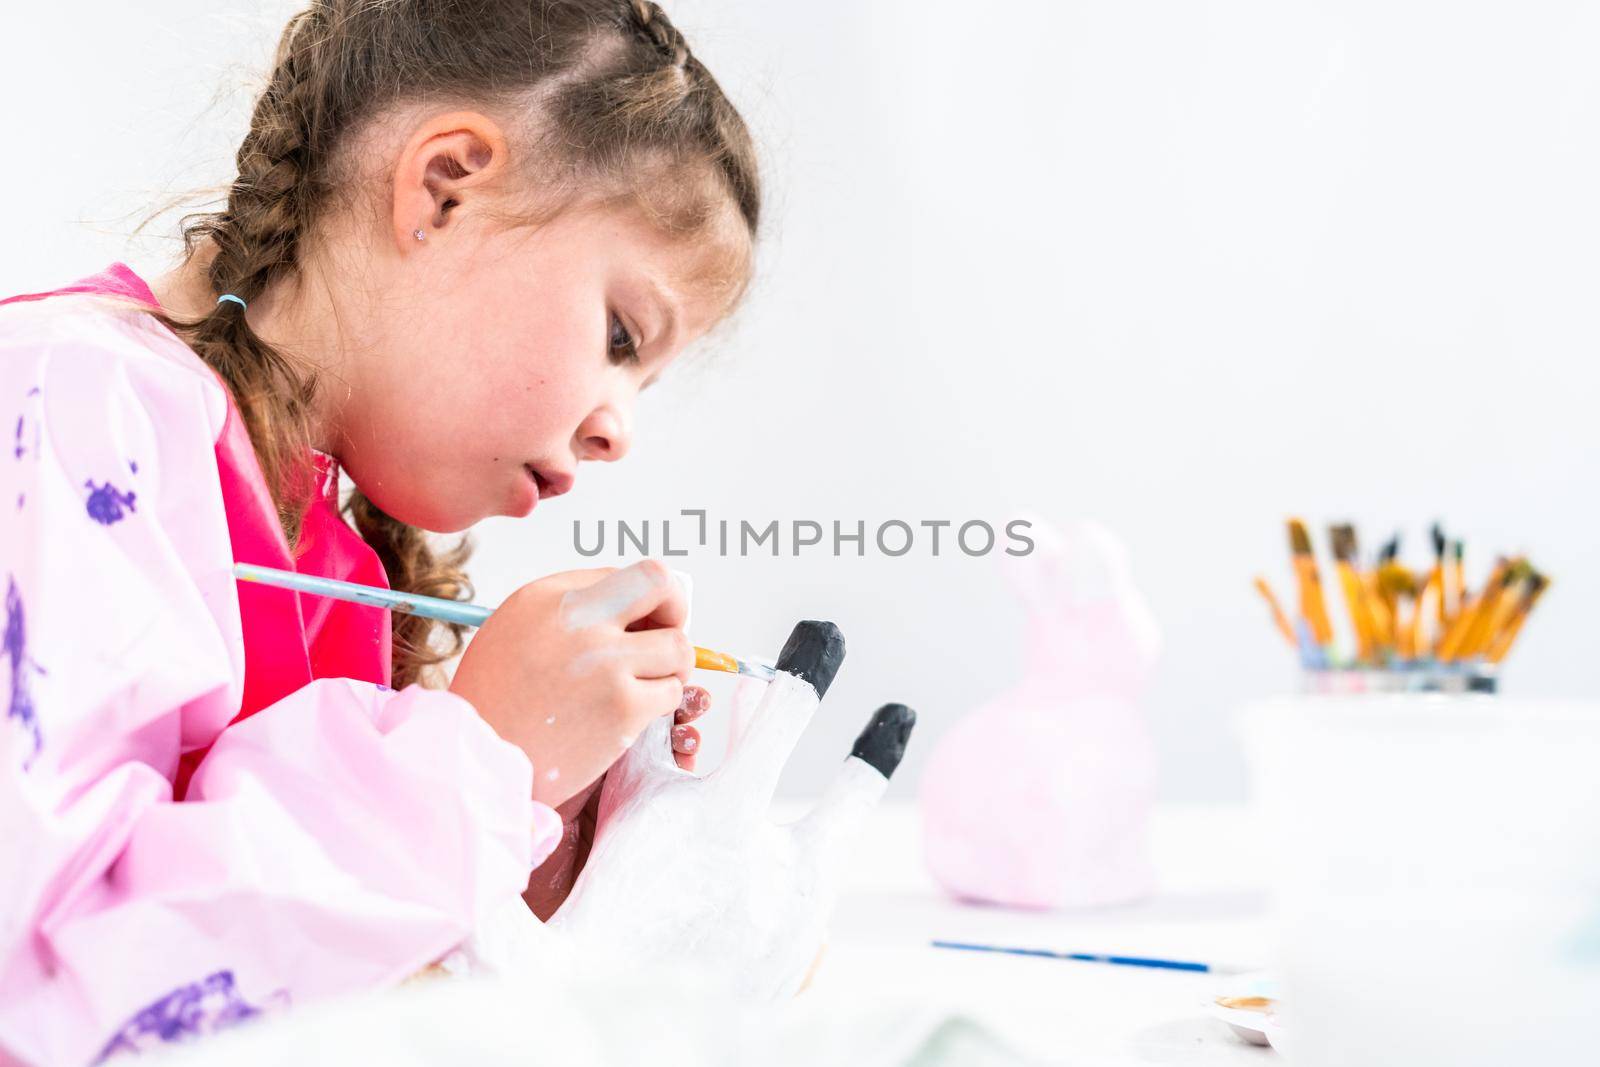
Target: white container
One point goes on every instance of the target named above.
(1437, 876)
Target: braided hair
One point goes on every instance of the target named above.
(609, 98)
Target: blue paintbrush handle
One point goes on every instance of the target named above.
(1122, 961)
(410, 603)
(430, 606)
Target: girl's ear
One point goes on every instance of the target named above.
(443, 167)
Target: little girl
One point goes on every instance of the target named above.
(463, 237)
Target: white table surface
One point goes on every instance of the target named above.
(1210, 906)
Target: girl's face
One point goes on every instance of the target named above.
(469, 373)
(503, 359)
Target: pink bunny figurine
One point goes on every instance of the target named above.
(1041, 797)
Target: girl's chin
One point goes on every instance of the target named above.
(447, 520)
(455, 514)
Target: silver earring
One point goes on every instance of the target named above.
(418, 234)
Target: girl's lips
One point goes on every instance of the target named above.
(538, 480)
(549, 483)
(528, 492)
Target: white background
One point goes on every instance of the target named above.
(1183, 267)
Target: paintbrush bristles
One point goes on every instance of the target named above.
(1299, 538)
(1342, 539)
(1396, 580)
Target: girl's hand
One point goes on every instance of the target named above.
(573, 667)
(553, 879)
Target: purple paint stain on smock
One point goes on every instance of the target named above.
(18, 449)
(213, 1003)
(106, 503)
(15, 645)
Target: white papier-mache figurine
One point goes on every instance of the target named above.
(1041, 797)
(690, 871)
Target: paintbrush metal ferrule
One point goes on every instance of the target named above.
(758, 670)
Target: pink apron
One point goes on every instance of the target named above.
(288, 641)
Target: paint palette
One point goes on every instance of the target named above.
(1249, 1004)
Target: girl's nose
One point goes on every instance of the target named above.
(604, 436)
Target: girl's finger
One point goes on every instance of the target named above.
(685, 746)
(642, 596)
(694, 704)
(685, 739)
(655, 697)
(659, 654)
(579, 579)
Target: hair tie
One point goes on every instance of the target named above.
(230, 296)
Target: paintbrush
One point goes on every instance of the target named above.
(1456, 639)
(1312, 607)
(1430, 601)
(1398, 584)
(1458, 577)
(1441, 611)
(1342, 539)
(1500, 644)
(449, 610)
(1279, 619)
(1096, 957)
(1388, 582)
(1496, 609)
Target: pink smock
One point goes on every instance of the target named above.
(212, 805)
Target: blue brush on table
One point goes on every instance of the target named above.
(449, 610)
(1089, 957)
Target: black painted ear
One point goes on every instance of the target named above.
(883, 742)
(814, 651)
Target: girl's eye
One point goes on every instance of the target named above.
(623, 347)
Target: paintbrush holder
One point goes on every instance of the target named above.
(1436, 868)
(1041, 797)
(1420, 677)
